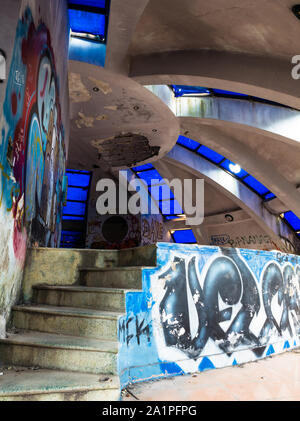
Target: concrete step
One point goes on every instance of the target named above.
(88, 323)
(23, 384)
(110, 299)
(59, 352)
(138, 256)
(126, 277)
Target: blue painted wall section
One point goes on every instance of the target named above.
(208, 307)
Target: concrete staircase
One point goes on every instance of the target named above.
(69, 332)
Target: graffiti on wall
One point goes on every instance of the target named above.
(32, 148)
(225, 303)
(206, 307)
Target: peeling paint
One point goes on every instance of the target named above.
(77, 90)
(103, 86)
(84, 121)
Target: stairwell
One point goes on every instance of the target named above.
(63, 345)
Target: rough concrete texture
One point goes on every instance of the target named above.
(25, 384)
(87, 323)
(272, 379)
(129, 277)
(110, 299)
(60, 352)
(60, 266)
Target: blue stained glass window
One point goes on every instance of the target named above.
(255, 185)
(270, 196)
(78, 179)
(93, 3)
(184, 236)
(210, 154)
(230, 166)
(77, 194)
(188, 143)
(75, 208)
(180, 90)
(143, 167)
(87, 22)
(150, 176)
(162, 192)
(229, 93)
(171, 207)
(293, 220)
(73, 218)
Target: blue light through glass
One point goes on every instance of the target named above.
(171, 207)
(188, 143)
(180, 90)
(270, 196)
(77, 194)
(93, 3)
(227, 93)
(255, 185)
(150, 176)
(293, 220)
(184, 237)
(78, 179)
(75, 208)
(143, 167)
(210, 154)
(162, 192)
(228, 166)
(87, 22)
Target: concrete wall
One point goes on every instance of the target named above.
(143, 229)
(209, 307)
(34, 131)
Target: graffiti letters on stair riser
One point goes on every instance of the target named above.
(223, 302)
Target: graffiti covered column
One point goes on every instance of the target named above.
(33, 141)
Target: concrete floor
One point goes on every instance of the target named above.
(275, 378)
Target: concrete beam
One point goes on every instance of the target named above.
(122, 24)
(258, 76)
(231, 187)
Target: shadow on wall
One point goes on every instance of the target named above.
(209, 307)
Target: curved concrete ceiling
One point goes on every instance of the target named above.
(115, 122)
(250, 133)
(230, 187)
(233, 45)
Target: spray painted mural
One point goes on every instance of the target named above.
(33, 149)
(209, 307)
(32, 143)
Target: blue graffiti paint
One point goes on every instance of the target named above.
(206, 364)
(226, 320)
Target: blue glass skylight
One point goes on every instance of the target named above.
(150, 176)
(292, 220)
(87, 22)
(227, 93)
(78, 179)
(270, 196)
(210, 154)
(184, 236)
(143, 167)
(180, 90)
(93, 3)
(75, 208)
(256, 185)
(234, 168)
(77, 194)
(162, 192)
(171, 207)
(188, 143)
